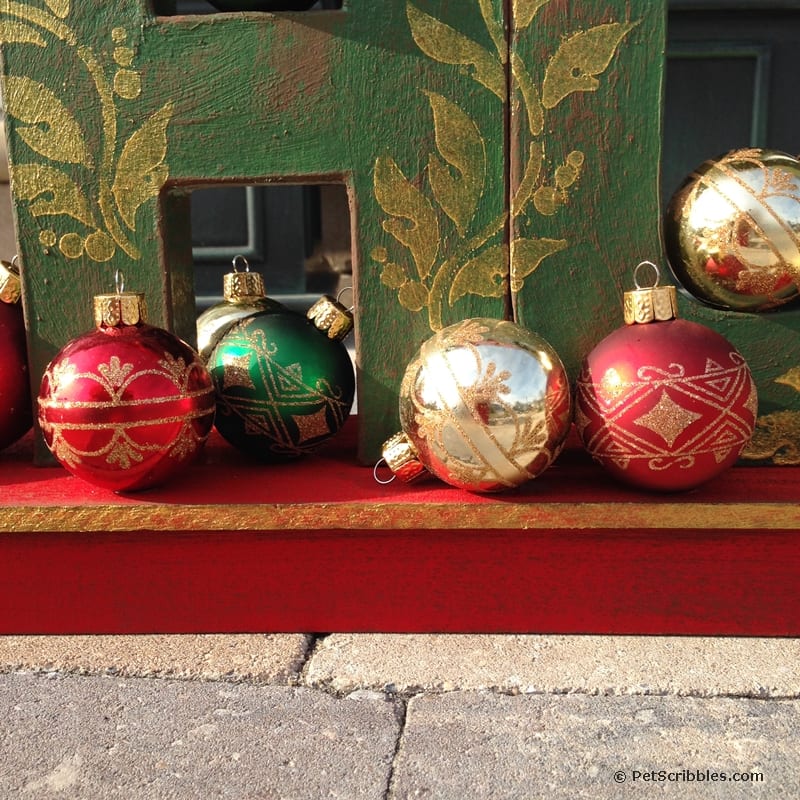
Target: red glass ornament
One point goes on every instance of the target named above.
(664, 405)
(128, 405)
(16, 416)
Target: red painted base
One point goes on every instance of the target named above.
(317, 546)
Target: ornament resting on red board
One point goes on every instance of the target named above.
(284, 382)
(485, 405)
(127, 405)
(731, 230)
(664, 403)
(16, 416)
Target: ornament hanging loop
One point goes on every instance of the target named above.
(120, 308)
(651, 303)
(344, 291)
(238, 261)
(638, 269)
(383, 482)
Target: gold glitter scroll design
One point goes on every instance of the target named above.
(754, 196)
(441, 204)
(456, 413)
(89, 198)
(116, 379)
(264, 393)
(777, 435)
(667, 403)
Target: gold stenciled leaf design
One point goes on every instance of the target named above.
(524, 11)
(528, 254)
(484, 275)
(19, 33)
(50, 129)
(533, 169)
(53, 192)
(115, 373)
(495, 28)
(59, 7)
(141, 171)
(790, 378)
(530, 95)
(413, 295)
(442, 43)
(579, 59)
(415, 225)
(775, 439)
(460, 143)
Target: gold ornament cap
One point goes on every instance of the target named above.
(120, 308)
(402, 458)
(10, 289)
(331, 317)
(242, 286)
(649, 303)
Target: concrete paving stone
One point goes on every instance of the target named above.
(259, 658)
(105, 737)
(501, 747)
(702, 666)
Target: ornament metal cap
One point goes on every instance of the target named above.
(331, 317)
(402, 459)
(120, 308)
(242, 287)
(649, 303)
(9, 282)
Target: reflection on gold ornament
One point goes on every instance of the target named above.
(485, 405)
(732, 231)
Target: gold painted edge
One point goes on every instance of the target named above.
(402, 516)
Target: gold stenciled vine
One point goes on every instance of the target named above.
(482, 263)
(777, 435)
(128, 173)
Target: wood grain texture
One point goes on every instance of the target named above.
(597, 189)
(322, 547)
(603, 581)
(500, 158)
(164, 105)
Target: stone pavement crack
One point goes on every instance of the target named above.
(401, 712)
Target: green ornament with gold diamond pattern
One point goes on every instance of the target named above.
(285, 382)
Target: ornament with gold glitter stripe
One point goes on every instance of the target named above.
(485, 406)
(127, 405)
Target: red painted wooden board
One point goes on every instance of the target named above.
(317, 546)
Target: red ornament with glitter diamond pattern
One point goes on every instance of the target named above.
(667, 404)
(128, 405)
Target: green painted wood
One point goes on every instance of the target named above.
(588, 107)
(501, 158)
(116, 114)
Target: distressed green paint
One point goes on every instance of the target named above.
(251, 98)
(609, 217)
(481, 183)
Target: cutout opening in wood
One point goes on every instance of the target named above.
(297, 236)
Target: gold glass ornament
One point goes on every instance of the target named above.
(243, 295)
(485, 406)
(732, 230)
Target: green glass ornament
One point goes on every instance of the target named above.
(243, 295)
(285, 383)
